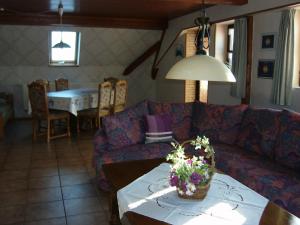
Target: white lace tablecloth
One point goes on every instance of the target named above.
(73, 100)
(228, 202)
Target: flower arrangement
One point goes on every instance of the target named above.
(192, 176)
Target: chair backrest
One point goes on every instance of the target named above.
(120, 96)
(104, 97)
(61, 84)
(112, 80)
(38, 99)
(46, 82)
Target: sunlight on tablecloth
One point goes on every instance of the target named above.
(228, 202)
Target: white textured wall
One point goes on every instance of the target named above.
(218, 93)
(104, 52)
(170, 90)
(261, 88)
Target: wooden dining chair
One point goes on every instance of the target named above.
(112, 80)
(120, 96)
(61, 84)
(103, 109)
(44, 82)
(40, 112)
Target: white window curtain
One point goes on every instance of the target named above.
(284, 60)
(239, 58)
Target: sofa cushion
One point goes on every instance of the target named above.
(259, 131)
(127, 127)
(287, 150)
(159, 128)
(260, 174)
(220, 123)
(100, 142)
(290, 199)
(129, 153)
(181, 114)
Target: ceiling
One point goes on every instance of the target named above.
(150, 14)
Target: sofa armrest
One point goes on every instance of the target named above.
(6, 111)
(1, 126)
(8, 98)
(101, 146)
(100, 143)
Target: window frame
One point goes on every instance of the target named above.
(77, 50)
(228, 50)
(196, 88)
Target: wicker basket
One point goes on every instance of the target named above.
(200, 192)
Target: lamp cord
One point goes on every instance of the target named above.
(60, 12)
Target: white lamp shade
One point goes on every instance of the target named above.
(201, 67)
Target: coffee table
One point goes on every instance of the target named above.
(121, 174)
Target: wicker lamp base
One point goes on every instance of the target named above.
(200, 193)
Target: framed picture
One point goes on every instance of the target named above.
(265, 69)
(268, 41)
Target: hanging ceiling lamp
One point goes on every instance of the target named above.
(61, 44)
(201, 66)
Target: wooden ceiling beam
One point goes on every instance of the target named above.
(84, 21)
(226, 2)
(154, 48)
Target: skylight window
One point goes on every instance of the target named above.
(64, 56)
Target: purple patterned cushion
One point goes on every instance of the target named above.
(277, 183)
(220, 123)
(159, 128)
(259, 131)
(181, 115)
(159, 123)
(287, 150)
(127, 127)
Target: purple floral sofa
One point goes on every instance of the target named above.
(258, 147)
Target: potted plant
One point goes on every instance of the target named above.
(192, 175)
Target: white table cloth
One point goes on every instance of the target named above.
(228, 202)
(73, 100)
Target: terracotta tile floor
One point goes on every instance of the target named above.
(48, 184)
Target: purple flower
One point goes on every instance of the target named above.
(195, 178)
(183, 186)
(174, 180)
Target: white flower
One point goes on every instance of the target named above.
(188, 192)
(191, 187)
(180, 192)
(206, 175)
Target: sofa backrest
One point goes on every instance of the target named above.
(181, 117)
(220, 123)
(287, 148)
(127, 127)
(259, 131)
(268, 132)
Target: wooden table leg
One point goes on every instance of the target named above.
(114, 209)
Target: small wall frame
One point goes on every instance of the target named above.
(268, 41)
(265, 68)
